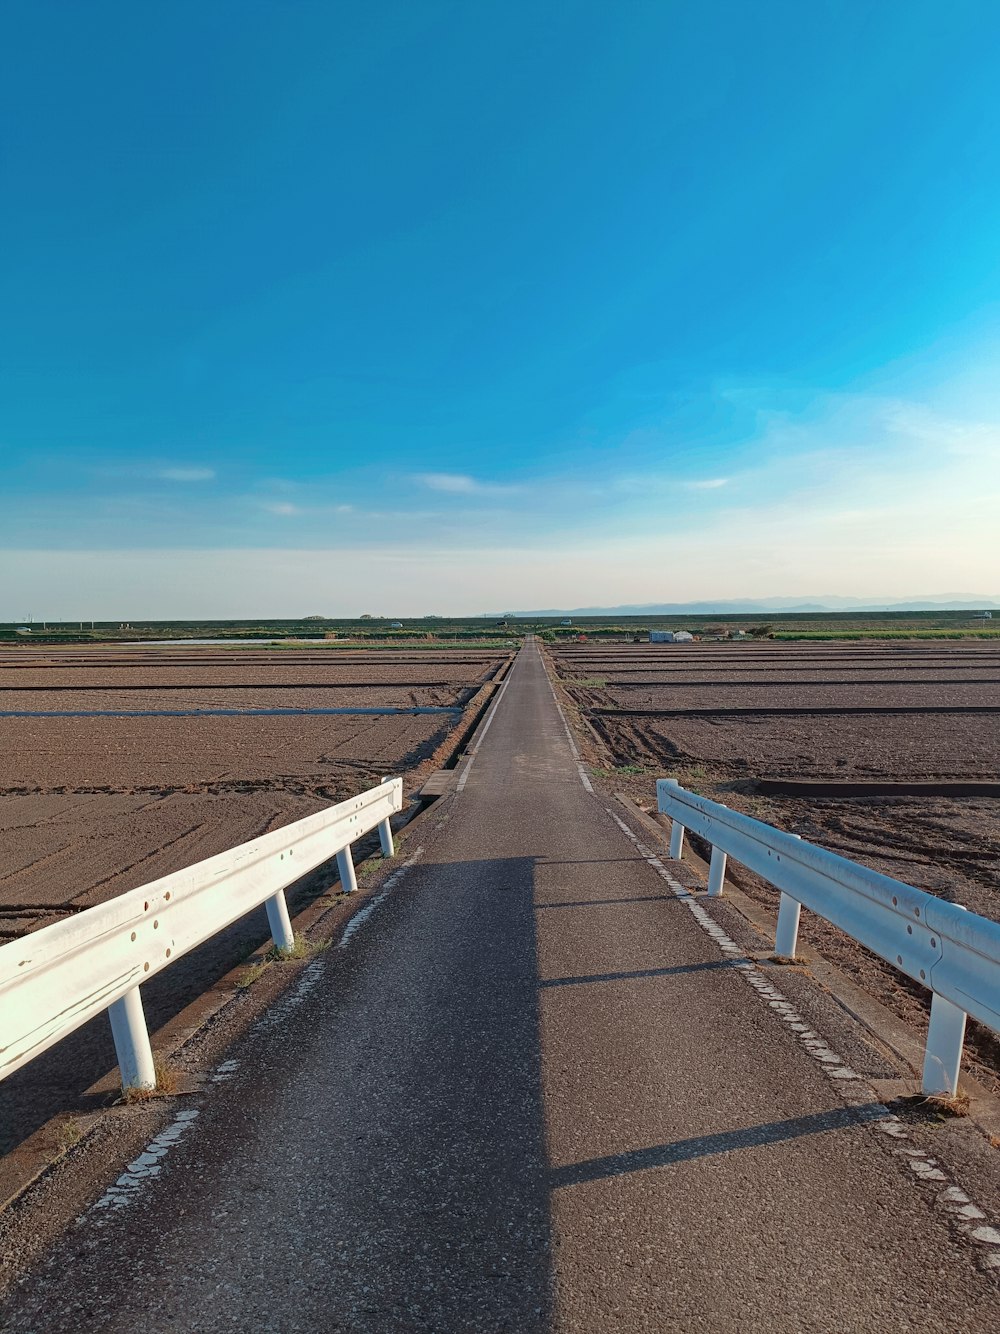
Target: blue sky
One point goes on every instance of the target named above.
(446, 306)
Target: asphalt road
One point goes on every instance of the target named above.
(530, 1093)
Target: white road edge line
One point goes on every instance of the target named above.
(464, 776)
(581, 768)
(146, 1167)
(965, 1215)
(363, 914)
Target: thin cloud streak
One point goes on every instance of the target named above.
(186, 474)
(460, 484)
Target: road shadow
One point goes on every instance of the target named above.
(703, 1146)
(637, 974)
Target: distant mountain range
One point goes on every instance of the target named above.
(736, 606)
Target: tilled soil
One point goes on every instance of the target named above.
(123, 754)
(918, 695)
(93, 806)
(948, 846)
(135, 699)
(225, 676)
(867, 745)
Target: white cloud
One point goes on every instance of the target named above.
(459, 484)
(972, 439)
(286, 509)
(186, 474)
(709, 484)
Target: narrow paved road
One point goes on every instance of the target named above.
(530, 1093)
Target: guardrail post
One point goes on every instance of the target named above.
(385, 833)
(131, 1037)
(786, 933)
(345, 865)
(279, 921)
(943, 1052)
(676, 828)
(786, 936)
(716, 873)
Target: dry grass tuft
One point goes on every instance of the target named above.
(251, 974)
(300, 949)
(166, 1076)
(947, 1105)
(68, 1134)
(166, 1084)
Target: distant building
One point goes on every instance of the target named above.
(567, 621)
(670, 637)
(395, 625)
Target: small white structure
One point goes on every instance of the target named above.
(395, 625)
(670, 637)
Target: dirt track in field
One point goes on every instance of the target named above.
(92, 807)
(722, 717)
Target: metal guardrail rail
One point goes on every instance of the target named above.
(952, 952)
(55, 979)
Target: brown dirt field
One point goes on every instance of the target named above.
(98, 805)
(948, 846)
(123, 754)
(869, 746)
(794, 695)
(133, 699)
(92, 807)
(215, 670)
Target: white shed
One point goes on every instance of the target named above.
(683, 637)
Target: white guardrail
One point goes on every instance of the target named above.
(57, 978)
(952, 952)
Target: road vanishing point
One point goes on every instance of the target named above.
(529, 1089)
